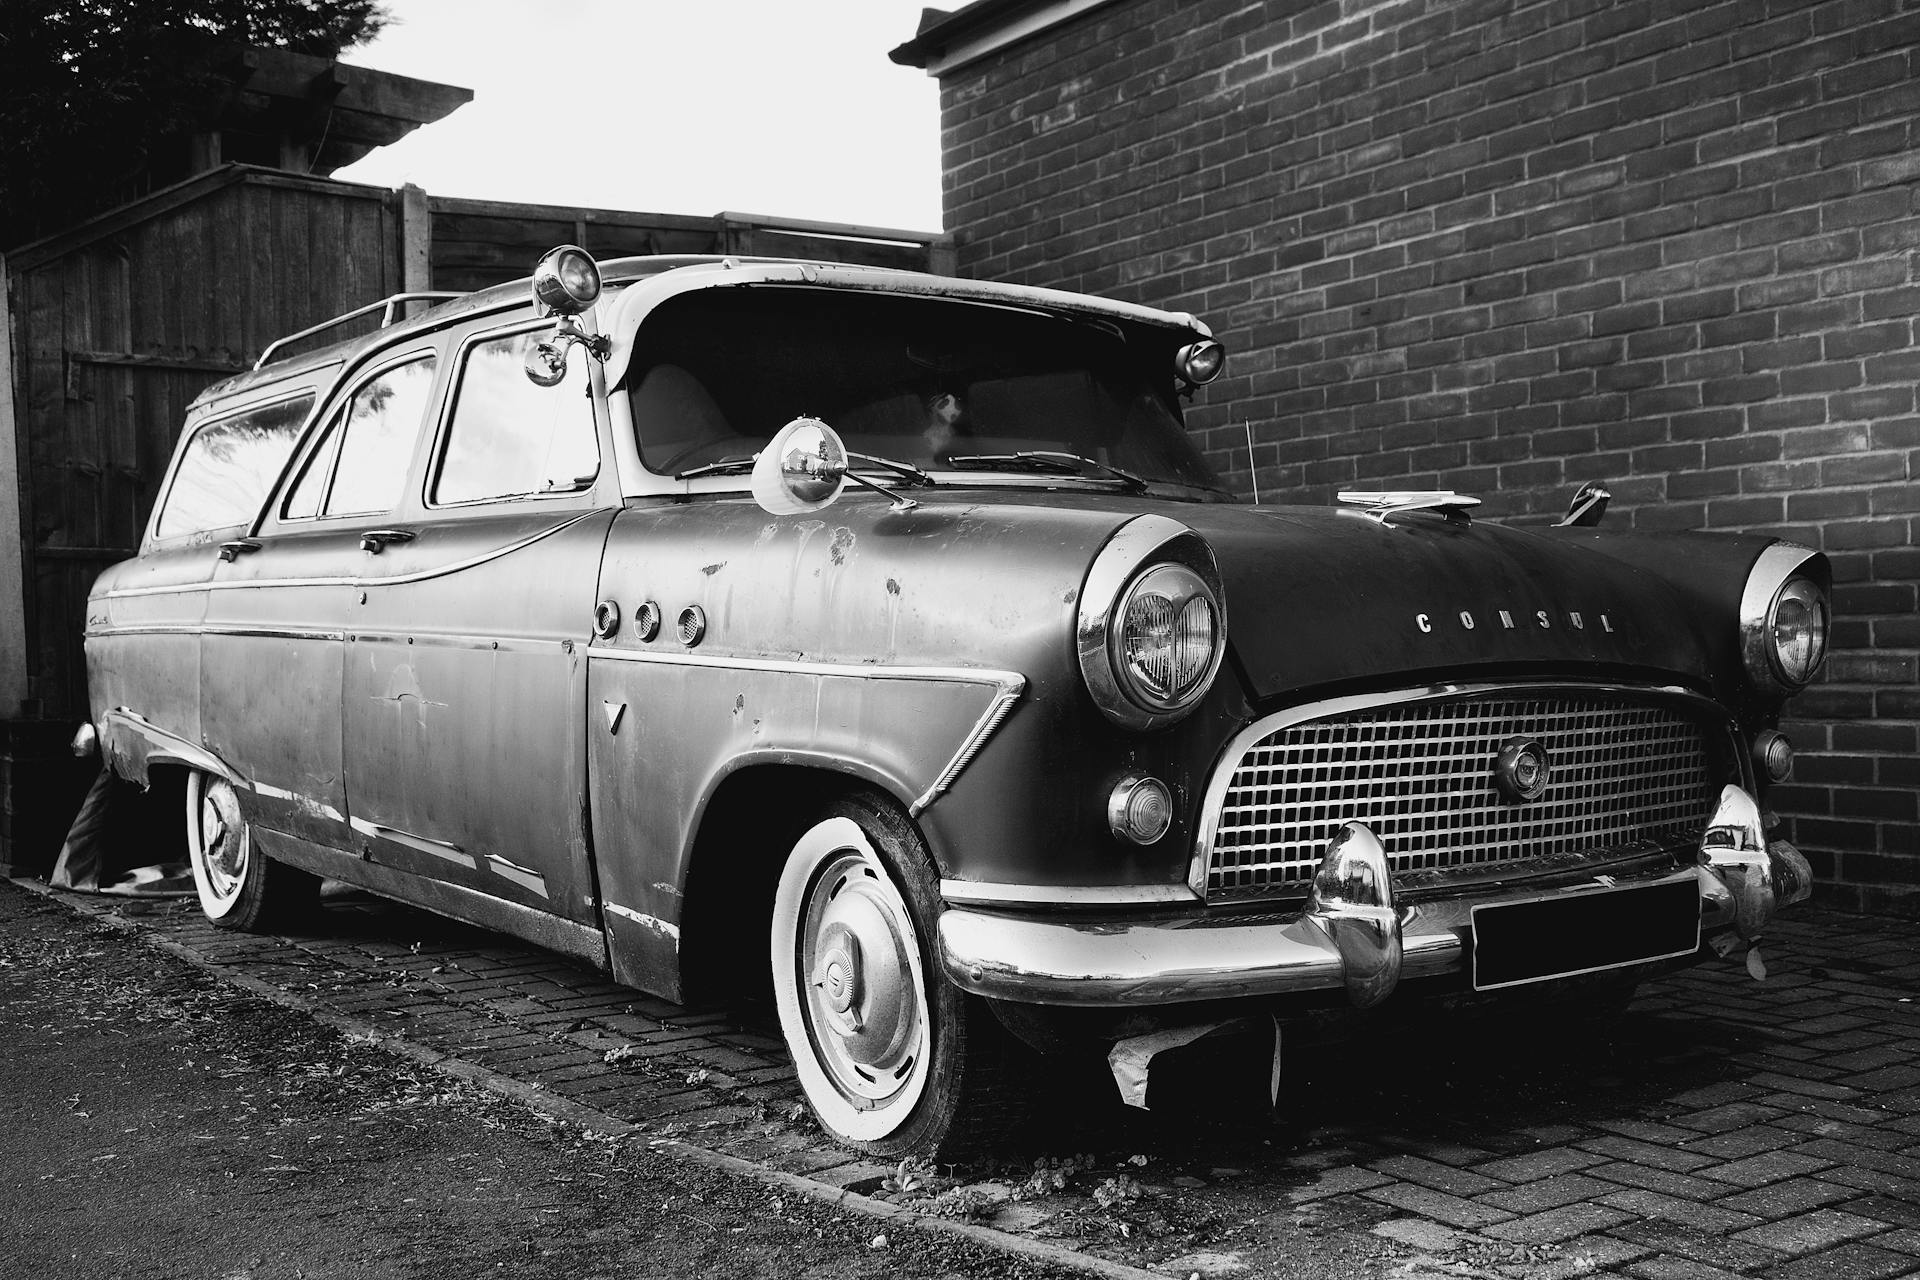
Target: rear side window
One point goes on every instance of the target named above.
(509, 438)
(360, 466)
(229, 465)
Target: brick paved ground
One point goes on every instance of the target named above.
(1723, 1128)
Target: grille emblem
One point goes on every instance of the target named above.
(1522, 770)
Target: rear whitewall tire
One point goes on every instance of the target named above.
(239, 886)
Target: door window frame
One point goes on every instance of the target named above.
(331, 418)
(283, 394)
(449, 407)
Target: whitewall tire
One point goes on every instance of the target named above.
(893, 1059)
(239, 887)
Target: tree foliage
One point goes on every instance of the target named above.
(90, 89)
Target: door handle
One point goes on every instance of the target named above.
(373, 539)
(231, 551)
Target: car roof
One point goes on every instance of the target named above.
(619, 273)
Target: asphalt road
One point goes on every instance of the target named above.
(159, 1123)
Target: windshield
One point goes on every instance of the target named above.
(954, 387)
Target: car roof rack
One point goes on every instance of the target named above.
(387, 306)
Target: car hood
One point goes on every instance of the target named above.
(1319, 597)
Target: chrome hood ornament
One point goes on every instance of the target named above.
(1384, 505)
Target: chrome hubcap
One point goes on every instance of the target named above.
(223, 845)
(862, 1001)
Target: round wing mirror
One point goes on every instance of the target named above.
(546, 364)
(803, 468)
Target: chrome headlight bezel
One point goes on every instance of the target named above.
(1147, 552)
(1786, 589)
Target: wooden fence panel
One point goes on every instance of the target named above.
(123, 329)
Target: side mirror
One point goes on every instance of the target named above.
(546, 364)
(803, 468)
(1587, 506)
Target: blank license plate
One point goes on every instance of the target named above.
(1542, 938)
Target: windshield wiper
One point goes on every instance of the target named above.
(725, 467)
(904, 469)
(1048, 460)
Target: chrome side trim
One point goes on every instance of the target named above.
(982, 893)
(665, 928)
(438, 848)
(304, 803)
(356, 580)
(1770, 572)
(203, 629)
(989, 723)
(457, 640)
(1236, 750)
(800, 666)
(512, 872)
(447, 641)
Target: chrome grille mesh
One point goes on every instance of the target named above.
(1420, 774)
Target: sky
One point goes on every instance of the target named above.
(781, 107)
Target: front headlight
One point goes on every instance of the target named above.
(1783, 617)
(1168, 638)
(1152, 629)
(1798, 628)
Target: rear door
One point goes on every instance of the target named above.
(278, 610)
(464, 684)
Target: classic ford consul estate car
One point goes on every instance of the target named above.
(882, 640)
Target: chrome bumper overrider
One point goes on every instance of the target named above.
(1351, 934)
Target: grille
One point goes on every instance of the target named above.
(1421, 776)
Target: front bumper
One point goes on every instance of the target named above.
(1350, 936)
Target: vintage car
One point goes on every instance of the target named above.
(883, 641)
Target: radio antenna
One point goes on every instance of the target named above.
(1253, 470)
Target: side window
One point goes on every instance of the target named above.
(374, 440)
(509, 438)
(228, 466)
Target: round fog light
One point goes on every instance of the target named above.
(1200, 362)
(566, 281)
(1773, 753)
(1140, 809)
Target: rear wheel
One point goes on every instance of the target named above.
(894, 1060)
(239, 887)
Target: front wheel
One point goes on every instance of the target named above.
(894, 1060)
(239, 887)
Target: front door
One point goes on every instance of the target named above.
(465, 677)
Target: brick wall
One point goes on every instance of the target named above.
(1507, 246)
